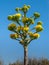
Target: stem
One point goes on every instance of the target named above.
(25, 55)
(24, 14)
(18, 40)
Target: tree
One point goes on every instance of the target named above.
(22, 28)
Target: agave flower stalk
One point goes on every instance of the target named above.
(22, 28)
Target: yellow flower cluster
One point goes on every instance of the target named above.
(18, 15)
(25, 20)
(38, 28)
(25, 8)
(14, 17)
(20, 28)
(26, 29)
(30, 34)
(34, 35)
(14, 36)
(12, 26)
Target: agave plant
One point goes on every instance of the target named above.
(22, 28)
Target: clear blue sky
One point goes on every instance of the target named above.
(11, 50)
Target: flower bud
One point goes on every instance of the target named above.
(30, 34)
(14, 36)
(18, 15)
(12, 26)
(28, 6)
(25, 8)
(9, 17)
(24, 20)
(33, 35)
(39, 23)
(19, 28)
(17, 9)
(38, 28)
(26, 29)
(36, 35)
(36, 14)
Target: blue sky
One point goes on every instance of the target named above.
(11, 50)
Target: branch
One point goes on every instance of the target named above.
(35, 32)
(31, 16)
(30, 41)
(18, 23)
(31, 29)
(34, 17)
(17, 40)
(18, 33)
(15, 31)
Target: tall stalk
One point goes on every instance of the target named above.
(25, 55)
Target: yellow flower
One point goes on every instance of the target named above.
(36, 35)
(24, 20)
(30, 34)
(10, 17)
(14, 36)
(38, 28)
(25, 8)
(14, 17)
(12, 26)
(26, 29)
(33, 35)
(18, 15)
(17, 9)
(19, 28)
